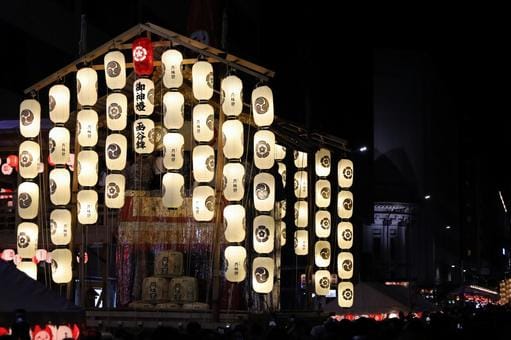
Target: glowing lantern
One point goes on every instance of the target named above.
(300, 184)
(87, 127)
(7, 254)
(264, 149)
(171, 61)
(232, 96)
(115, 185)
(203, 122)
(232, 131)
(173, 190)
(58, 100)
(203, 158)
(323, 162)
(115, 70)
(301, 214)
(60, 227)
(280, 210)
(234, 181)
(29, 158)
(322, 282)
(59, 145)
(143, 140)
(345, 265)
(173, 151)
(282, 232)
(30, 118)
(322, 254)
(345, 173)
(87, 168)
(12, 161)
(174, 110)
(27, 236)
(28, 268)
(262, 274)
(40, 255)
(264, 191)
(116, 111)
(323, 222)
(345, 204)
(280, 152)
(202, 80)
(87, 86)
(203, 203)
(143, 95)
(282, 172)
(345, 294)
(87, 206)
(116, 146)
(61, 265)
(234, 223)
(6, 169)
(300, 159)
(264, 234)
(323, 193)
(60, 186)
(262, 106)
(235, 263)
(301, 242)
(28, 200)
(142, 49)
(345, 235)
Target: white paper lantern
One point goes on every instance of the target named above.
(263, 270)
(143, 136)
(323, 223)
(115, 70)
(28, 200)
(345, 204)
(282, 172)
(300, 159)
(87, 86)
(301, 242)
(203, 158)
(173, 110)
(116, 146)
(116, 111)
(345, 235)
(345, 265)
(345, 294)
(234, 223)
(173, 190)
(280, 152)
(59, 145)
(234, 181)
(87, 168)
(115, 185)
(232, 96)
(322, 282)
(171, 62)
(280, 209)
(60, 227)
(235, 263)
(264, 234)
(87, 206)
(301, 214)
(60, 186)
(58, 100)
(173, 151)
(203, 122)
(202, 80)
(203, 203)
(28, 268)
(30, 118)
(232, 131)
(26, 240)
(262, 106)
(345, 173)
(301, 184)
(322, 254)
(29, 158)
(323, 193)
(264, 149)
(61, 265)
(143, 96)
(282, 232)
(264, 191)
(323, 162)
(87, 121)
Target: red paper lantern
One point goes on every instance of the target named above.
(12, 160)
(142, 49)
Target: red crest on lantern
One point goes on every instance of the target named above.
(142, 49)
